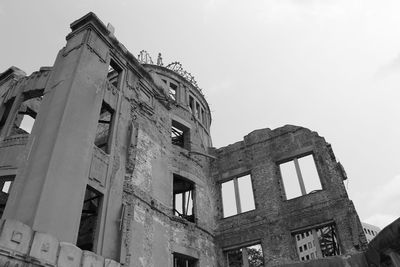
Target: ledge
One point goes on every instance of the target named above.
(22, 246)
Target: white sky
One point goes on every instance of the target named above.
(330, 65)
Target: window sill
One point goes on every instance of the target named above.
(243, 213)
(302, 196)
(182, 220)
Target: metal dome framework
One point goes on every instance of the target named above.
(145, 58)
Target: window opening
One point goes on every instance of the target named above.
(183, 198)
(326, 245)
(5, 185)
(180, 135)
(172, 91)
(181, 260)
(237, 196)
(26, 116)
(6, 112)
(103, 131)
(191, 104)
(89, 219)
(203, 118)
(300, 177)
(198, 110)
(251, 256)
(27, 122)
(114, 74)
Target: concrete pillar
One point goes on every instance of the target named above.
(49, 189)
(237, 196)
(300, 177)
(245, 257)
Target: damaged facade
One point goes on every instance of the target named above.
(119, 169)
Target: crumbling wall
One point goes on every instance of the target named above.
(275, 220)
(137, 224)
(151, 232)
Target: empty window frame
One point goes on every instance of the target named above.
(251, 256)
(198, 112)
(191, 104)
(300, 176)
(183, 198)
(180, 135)
(26, 115)
(5, 111)
(5, 186)
(89, 224)
(322, 242)
(181, 260)
(237, 196)
(114, 74)
(173, 89)
(103, 132)
(27, 121)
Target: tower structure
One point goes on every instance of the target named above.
(119, 168)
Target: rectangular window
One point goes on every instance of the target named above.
(198, 113)
(245, 256)
(203, 118)
(103, 131)
(237, 196)
(300, 176)
(181, 260)
(5, 185)
(172, 91)
(191, 104)
(180, 135)
(26, 115)
(324, 240)
(5, 111)
(88, 227)
(183, 199)
(114, 74)
(27, 121)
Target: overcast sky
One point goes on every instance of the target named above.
(329, 65)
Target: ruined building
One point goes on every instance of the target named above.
(119, 169)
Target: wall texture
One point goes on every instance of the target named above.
(137, 168)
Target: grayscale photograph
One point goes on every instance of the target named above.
(200, 133)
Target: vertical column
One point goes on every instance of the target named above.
(49, 189)
(300, 177)
(237, 196)
(245, 257)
